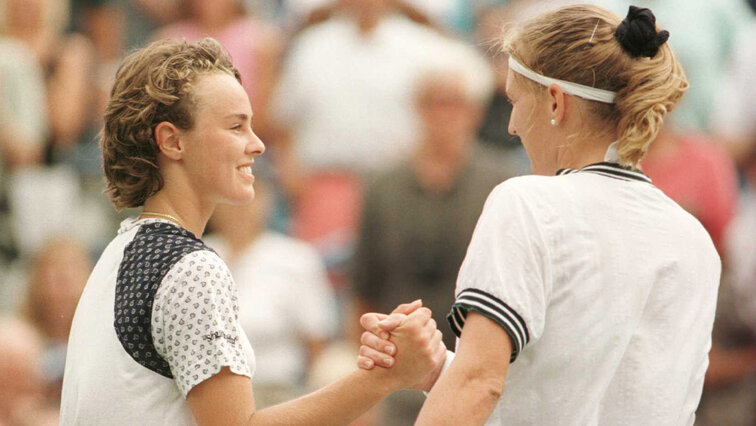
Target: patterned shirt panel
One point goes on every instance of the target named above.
(195, 321)
(155, 249)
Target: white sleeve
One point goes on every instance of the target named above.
(506, 274)
(195, 321)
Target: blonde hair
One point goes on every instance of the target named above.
(152, 85)
(578, 44)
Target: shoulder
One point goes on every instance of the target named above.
(277, 245)
(157, 247)
(321, 34)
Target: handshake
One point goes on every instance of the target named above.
(405, 345)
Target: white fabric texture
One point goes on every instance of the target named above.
(285, 299)
(102, 383)
(347, 97)
(607, 289)
(195, 323)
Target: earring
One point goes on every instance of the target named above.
(552, 122)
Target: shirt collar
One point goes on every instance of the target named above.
(610, 167)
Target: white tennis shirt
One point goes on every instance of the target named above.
(158, 316)
(607, 289)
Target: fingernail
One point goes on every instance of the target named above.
(388, 362)
(384, 336)
(389, 350)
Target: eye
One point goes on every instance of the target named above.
(236, 127)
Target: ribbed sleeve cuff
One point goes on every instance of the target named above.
(493, 308)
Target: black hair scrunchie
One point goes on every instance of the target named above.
(637, 33)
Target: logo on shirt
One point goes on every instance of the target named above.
(219, 334)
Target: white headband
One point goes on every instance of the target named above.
(585, 92)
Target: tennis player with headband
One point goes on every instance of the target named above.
(585, 289)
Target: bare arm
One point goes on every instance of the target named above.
(227, 399)
(467, 393)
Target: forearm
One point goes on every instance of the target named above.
(336, 404)
(460, 398)
(467, 393)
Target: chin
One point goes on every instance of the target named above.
(241, 199)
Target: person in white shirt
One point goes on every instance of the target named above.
(585, 289)
(287, 305)
(156, 337)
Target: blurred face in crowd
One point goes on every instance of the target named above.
(219, 150)
(215, 12)
(530, 121)
(366, 7)
(448, 114)
(22, 390)
(26, 13)
(59, 275)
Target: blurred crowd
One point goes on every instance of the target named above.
(386, 128)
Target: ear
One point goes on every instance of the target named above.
(557, 104)
(168, 141)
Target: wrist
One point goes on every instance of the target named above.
(381, 380)
(437, 372)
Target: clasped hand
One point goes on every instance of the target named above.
(406, 341)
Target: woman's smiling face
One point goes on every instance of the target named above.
(221, 146)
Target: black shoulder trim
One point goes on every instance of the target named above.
(146, 260)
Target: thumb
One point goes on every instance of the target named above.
(408, 308)
(370, 322)
(392, 321)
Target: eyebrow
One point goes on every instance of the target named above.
(240, 116)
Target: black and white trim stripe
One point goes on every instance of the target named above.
(490, 306)
(612, 170)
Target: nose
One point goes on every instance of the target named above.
(255, 145)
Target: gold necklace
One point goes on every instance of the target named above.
(164, 216)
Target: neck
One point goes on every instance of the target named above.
(586, 150)
(192, 215)
(368, 20)
(437, 169)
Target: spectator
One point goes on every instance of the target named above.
(285, 300)
(418, 216)
(58, 275)
(23, 128)
(21, 397)
(344, 102)
(66, 61)
(704, 37)
(736, 105)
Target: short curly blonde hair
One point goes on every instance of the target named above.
(152, 85)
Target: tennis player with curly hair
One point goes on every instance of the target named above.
(156, 338)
